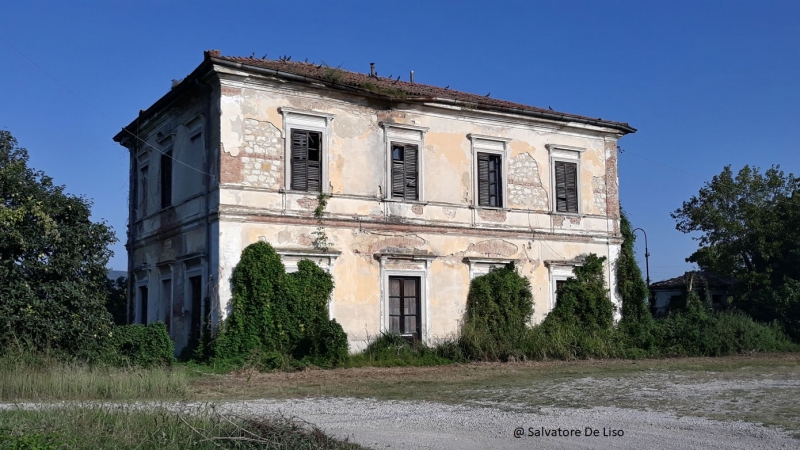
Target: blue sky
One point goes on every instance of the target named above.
(706, 83)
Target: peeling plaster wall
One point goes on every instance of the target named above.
(356, 300)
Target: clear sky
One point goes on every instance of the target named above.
(707, 83)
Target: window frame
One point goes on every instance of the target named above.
(141, 308)
(388, 269)
(559, 272)
(495, 146)
(417, 333)
(402, 134)
(565, 154)
(311, 121)
(164, 175)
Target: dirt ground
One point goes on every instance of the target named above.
(727, 403)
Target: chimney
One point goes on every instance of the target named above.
(211, 53)
(412, 76)
(372, 69)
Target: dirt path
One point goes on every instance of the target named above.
(383, 424)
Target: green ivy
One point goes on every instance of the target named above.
(637, 322)
(140, 345)
(279, 319)
(582, 301)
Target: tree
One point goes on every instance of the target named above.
(749, 226)
(582, 301)
(52, 261)
(637, 322)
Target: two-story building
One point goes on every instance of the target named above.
(428, 187)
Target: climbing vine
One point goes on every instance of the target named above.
(321, 239)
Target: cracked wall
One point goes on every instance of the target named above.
(525, 184)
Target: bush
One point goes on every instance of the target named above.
(141, 345)
(499, 309)
(637, 323)
(392, 349)
(697, 331)
(780, 304)
(582, 301)
(278, 319)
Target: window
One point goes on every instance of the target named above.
(490, 181)
(404, 171)
(306, 160)
(143, 305)
(565, 163)
(489, 156)
(560, 271)
(404, 306)
(166, 178)
(142, 200)
(559, 284)
(404, 162)
(566, 177)
(306, 149)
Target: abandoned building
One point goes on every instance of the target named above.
(428, 188)
(671, 293)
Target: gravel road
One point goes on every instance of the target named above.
(382, 424)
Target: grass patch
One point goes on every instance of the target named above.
(128, 427)
(26, 378)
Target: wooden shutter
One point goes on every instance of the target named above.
(566, 187)
(411, 172)
(398, 170)
(306, 161)
(483, 179)
(572, 187)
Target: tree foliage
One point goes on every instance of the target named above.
(582, 301)
(278, 317)
(52, 261)
(748, 226)
(637, 321)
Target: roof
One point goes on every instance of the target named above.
(376, 86)
(714, 281)
(396, 89)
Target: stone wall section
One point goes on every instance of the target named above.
(262, 156)
(525, 184)
(599, 191)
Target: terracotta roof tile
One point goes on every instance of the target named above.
(398, 89)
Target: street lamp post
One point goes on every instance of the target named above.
(646, 255)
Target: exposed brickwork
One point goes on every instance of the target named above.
(308, 203)
(417, 209)
(262, 160)
(493, 247)
(525, 185)
(492, 215)
(230, 167)
(558, 220)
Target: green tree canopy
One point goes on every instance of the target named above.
(52, 261)
(748, 225)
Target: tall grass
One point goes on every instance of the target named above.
(31, 377)
(128, 427)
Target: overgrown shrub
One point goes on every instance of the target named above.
(499, 309)
(392, 349)
(140, 345)
(637, 323)
(279, 319)
(697, 331)
(780, 304)
(582, 301)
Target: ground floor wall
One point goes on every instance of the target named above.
(363, 261)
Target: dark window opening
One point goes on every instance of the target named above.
(490, 180)
(566, 187)
(196, 295)
(143, 305)
(404, 306)
(166, 301)
(142, 194)
(405, 171)
(166, 179)
(559, 284)
(306, 161)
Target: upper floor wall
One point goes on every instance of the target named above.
(465, 165)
